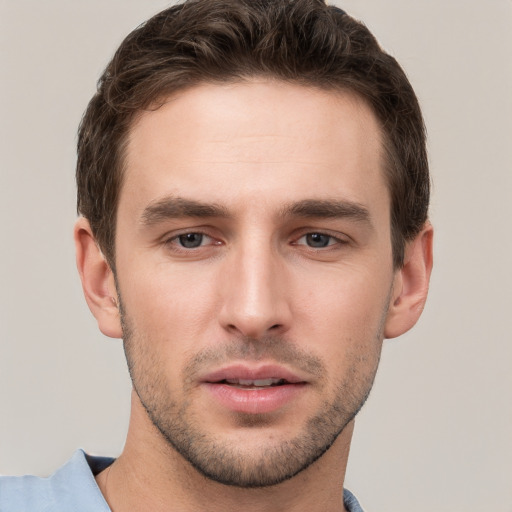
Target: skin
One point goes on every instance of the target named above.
(258, 289)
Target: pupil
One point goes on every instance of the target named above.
(191, 240)
(317, 240)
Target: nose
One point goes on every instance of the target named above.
(255, 295)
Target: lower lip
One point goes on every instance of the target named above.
(254, 401)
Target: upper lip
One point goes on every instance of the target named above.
(245, 372)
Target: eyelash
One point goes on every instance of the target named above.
(333, 242)
(173, 242)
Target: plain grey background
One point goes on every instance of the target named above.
(436, 433)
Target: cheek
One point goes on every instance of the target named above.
(350, 302)
(344, 320)
(169, 302)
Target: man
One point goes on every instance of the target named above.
(253, 189)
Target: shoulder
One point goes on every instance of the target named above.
(350, 502)
(24, 493)
(72, 487)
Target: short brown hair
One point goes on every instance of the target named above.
(212, 41)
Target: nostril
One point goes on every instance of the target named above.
(245, 332)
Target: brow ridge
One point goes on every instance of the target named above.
(179, 207)
(327, 209)
(171, 207)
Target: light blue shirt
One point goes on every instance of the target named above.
(72, 488)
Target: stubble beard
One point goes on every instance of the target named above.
(221, 460)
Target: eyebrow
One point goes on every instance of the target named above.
(327, 209)
(178, 207)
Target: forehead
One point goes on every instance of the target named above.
(255, 139)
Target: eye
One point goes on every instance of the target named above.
(191, 240)
(317, 240)
(190, 244)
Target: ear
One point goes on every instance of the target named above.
(410, 287)
(97, 280)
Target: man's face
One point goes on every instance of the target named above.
(254, 267)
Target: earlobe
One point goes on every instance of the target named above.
(97, 280)
(411, 284)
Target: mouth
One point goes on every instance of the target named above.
(245, 376)
(257, 390)
(254, 384)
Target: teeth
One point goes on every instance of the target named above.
(254, 383)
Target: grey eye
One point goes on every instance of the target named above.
(191, 240)
(318, 240)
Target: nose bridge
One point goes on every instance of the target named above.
(255, 300)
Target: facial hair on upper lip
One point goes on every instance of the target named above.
(270, 349)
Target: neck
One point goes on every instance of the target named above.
(151, 475)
